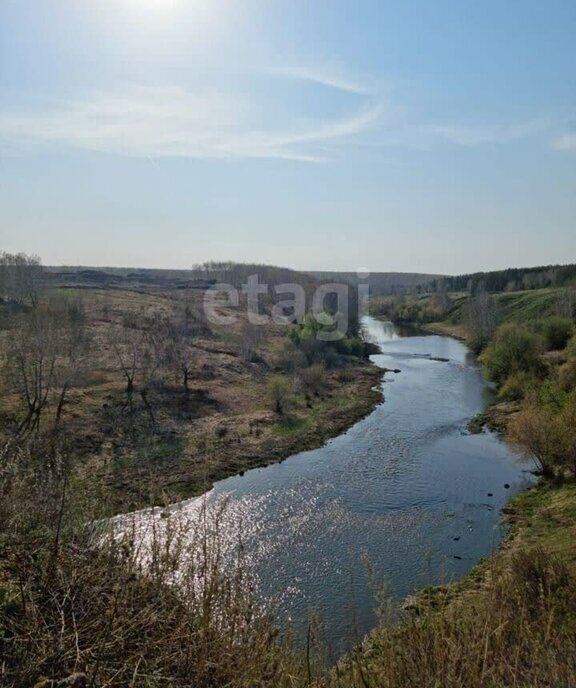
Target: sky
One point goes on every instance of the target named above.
(409, 136)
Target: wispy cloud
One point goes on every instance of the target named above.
(170, 121)
(472, 135)
(331, 77)
(173, 122)
(567, 142)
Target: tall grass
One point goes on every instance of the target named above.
(519, 629)
(122, 610)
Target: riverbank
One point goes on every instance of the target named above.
(511, 621)
(158, 404)
(222, 445)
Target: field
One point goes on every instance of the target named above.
(176, 442)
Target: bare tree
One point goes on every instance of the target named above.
(481, 317)
(32, 364)
(127, 346)
(20, 278)
(251, 340)
(140, 351)
(179, 353)
(47, 347)
(74, 346)
(152, 359)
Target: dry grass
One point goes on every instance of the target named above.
(221, 427)
(511, 622)
(74, 600)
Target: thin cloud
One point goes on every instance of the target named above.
(325, 76)
(566, 142)
(472, 135)
(170, 121)
(173, 122)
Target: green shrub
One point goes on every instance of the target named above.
(518, 385)
(477, 343)
(571, 347)
(567, 375)
(550, 395)
(280, 394)
(556, 331)
(514, 349)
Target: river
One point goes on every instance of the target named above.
(405, 497)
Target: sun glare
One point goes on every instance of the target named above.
(145, 6)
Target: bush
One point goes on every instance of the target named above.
(280, 394)
(537, 434)
(571, 347)
(518, 385)
(556, 331)
(477, 343)
(313, 378)
(307, 338)
(567, 375)
(513, 350)
(550, 395)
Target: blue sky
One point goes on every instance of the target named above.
(409, 135)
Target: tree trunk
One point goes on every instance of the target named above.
(61, 403)
(144, 395)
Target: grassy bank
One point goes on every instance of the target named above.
(511, 622)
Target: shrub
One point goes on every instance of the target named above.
(571, 347)
(567, 375)
(550, 395)
(280, 394)
(518, 385)
(557, 332)
(537, 435)
(545, 429)
(313, 378)
(513, 349)
(477, 343)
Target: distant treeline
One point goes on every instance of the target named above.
(512, 279)
(384, 283)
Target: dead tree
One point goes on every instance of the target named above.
(47, 346)
(74, 347)
(20, 278)
(32, 361)
(179, 352)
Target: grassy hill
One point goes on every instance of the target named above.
(448, 312)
